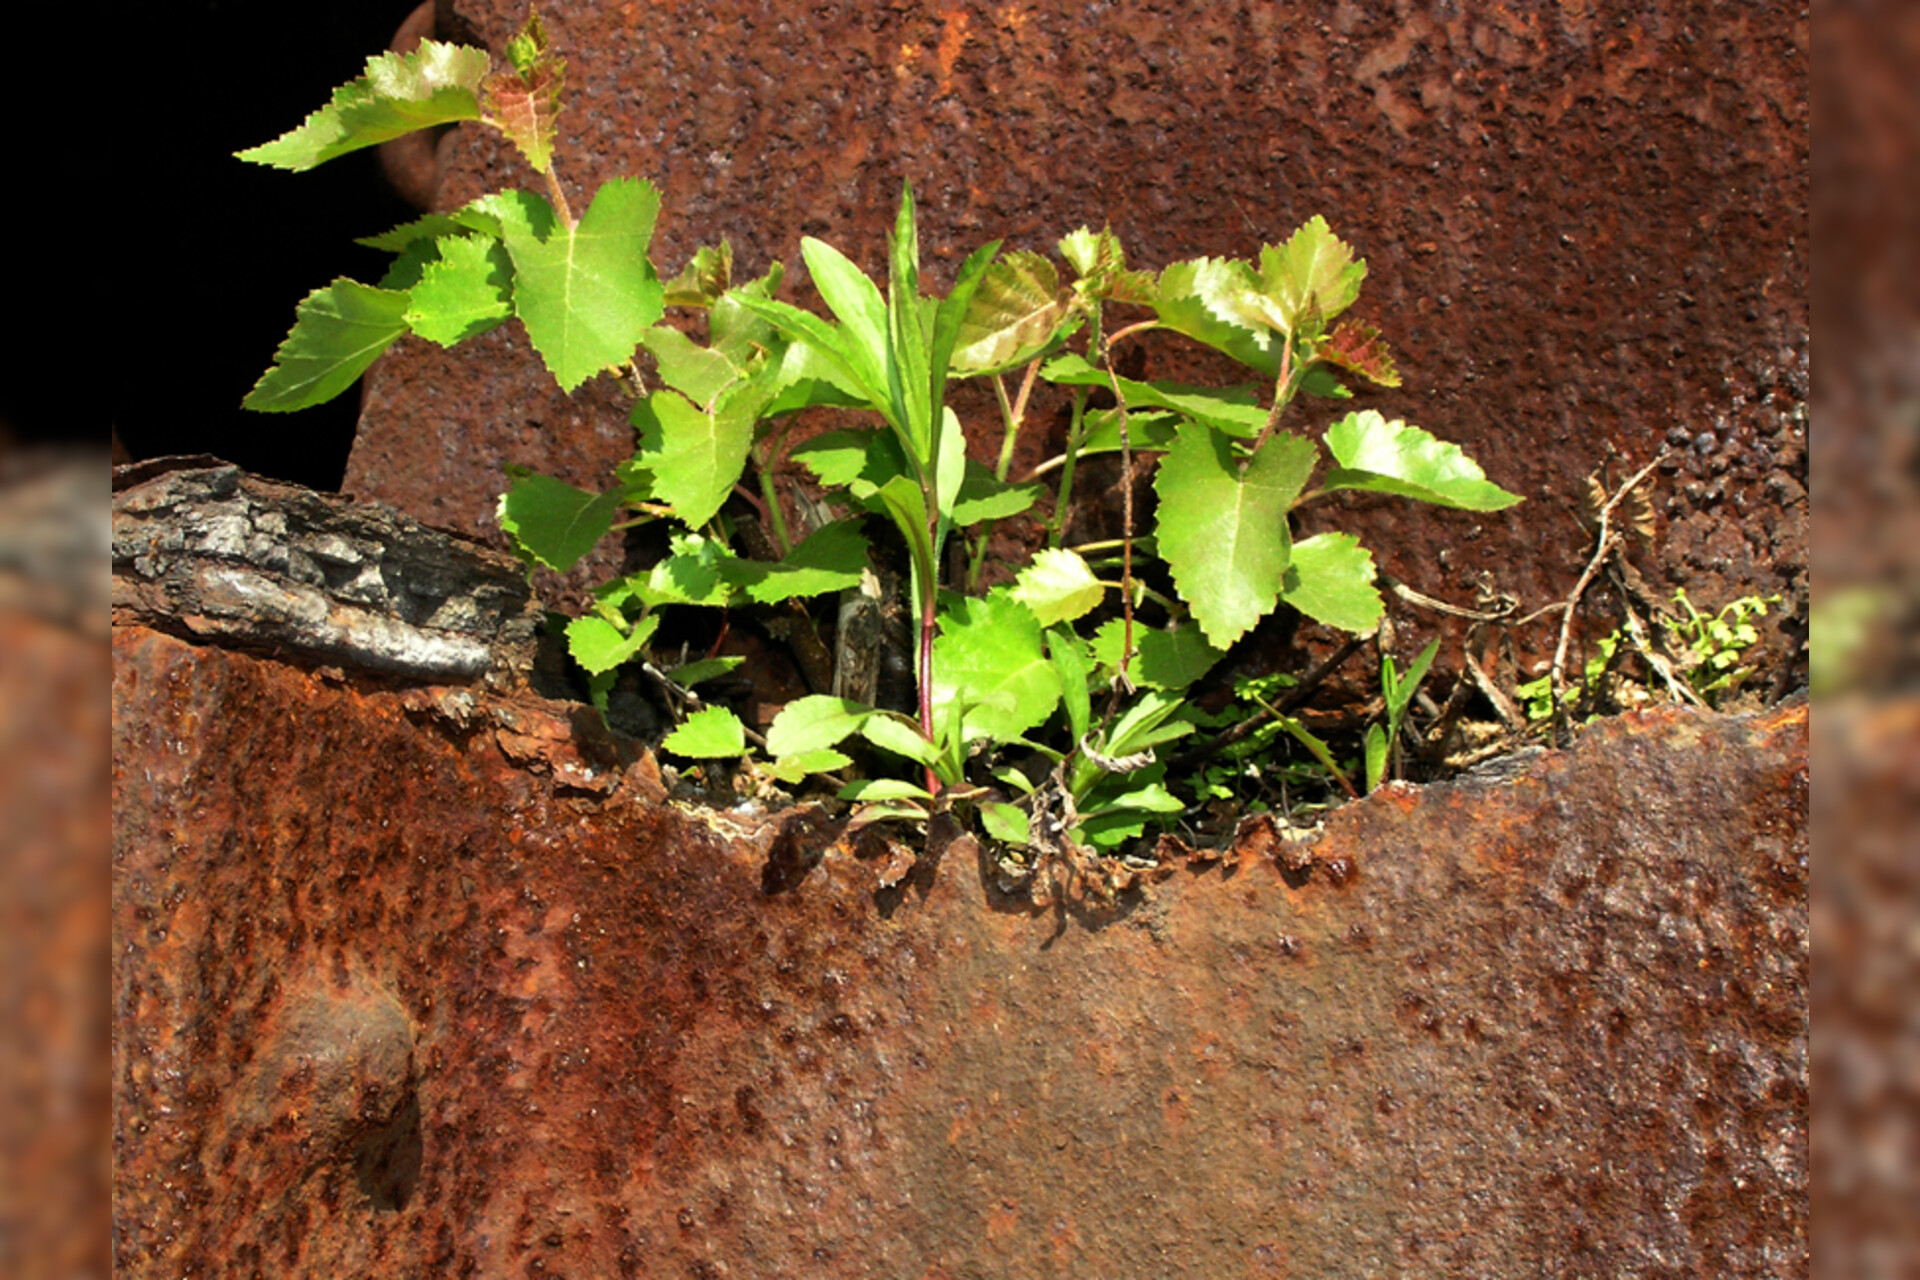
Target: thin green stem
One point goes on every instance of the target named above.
(1012, 416)
(1282, 397)
(1076, 434)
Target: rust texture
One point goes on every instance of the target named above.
(1586, 226)
(391, 1001)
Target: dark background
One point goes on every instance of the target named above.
(205, 257)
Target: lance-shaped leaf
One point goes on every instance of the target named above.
(435, 84)
(337, 332)
(696, 456)
(984, 496)
(711, 733)
(463, 292)
(1233, 409)
(553, 523)
(949, 313)
(1223, 532)
(1330, 579)
(586, 294)
(990, 661)
(1392, 457)
(1311, 279)
(1358, 347)
(906, 359)
(524, 102)
(1013, 316)
(856, 302)
(434, 225)
(1204, 299)
(1058, 586)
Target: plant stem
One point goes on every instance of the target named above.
(560, 205)
(776, 519)
(1282, 397)
(1076, 432)
(927, 611)
(1012, 417)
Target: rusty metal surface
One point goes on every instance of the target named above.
(388, 1001)
(1586, 224)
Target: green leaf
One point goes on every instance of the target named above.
(1204, 298)
(1069, 654)
(435, 84)
(792, 769)
(689, 674)
(552, 522)
(856, 302)
(906, 363)
(695, 573)
(702, 281)
(524, 103)
(989, 659)
(887, 789)
(1147, 723)
(899, 735)
(696, 457)
(1150, 798)
(854, 457)
(337, 332)
(711, 733)
(600, 646)
(1004, 822)
(1330, 579)
(825, 346)
(1101, 265)
(1161, 659)
(1222, 531)
(984, 496)
(1058, 586)
(831, 559)
(948, 315)
(697, 372)
(732, 330)
(1391, 457)
(433, 226)
(814, 723)
(1311, 279)
(1233, 410)
(1013, 315)
(1376, 756)
(950, 463)
(1400, 697)
(1358, 347)
(908, 508)
(1151, 430)
(586, 294)
(464, 292)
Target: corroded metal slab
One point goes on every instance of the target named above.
(390, 1000)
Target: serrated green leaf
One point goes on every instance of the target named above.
(1013, 314)
(696, 457)
(586, 294)
(1358, 347)
(695, 573)
(599, 646)
(1004, 822)
(1223, 531)
(689, 674)
(1391, 457)
(990, 660)
(1234, 410)
(337, 332)
(435, 84)
(1311, 279)
(524, 102)
(831, 559)
(462, 293)
(1101, 265)
(734, 331)
(553, 523)
(433, 226)
(984, 496)
(697, 372)
(1161, 659)
(1058, 586)
(1204, 298)
(899, 735)
(711, 733)
(1150, 430)
(792, 769)
(703, 280)
(814, 723)
(1330, 579)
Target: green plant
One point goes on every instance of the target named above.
(1397, 691)
(1715, 644)
(1080, 662)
